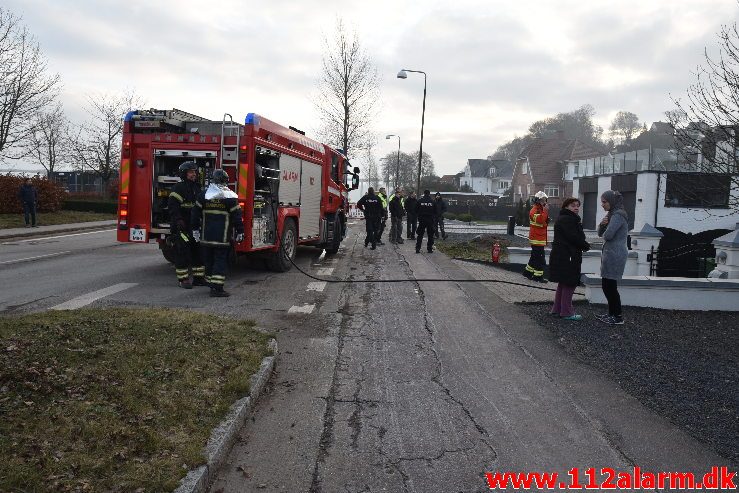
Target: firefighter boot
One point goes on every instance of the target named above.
(219, 292)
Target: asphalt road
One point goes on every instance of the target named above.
(412, 386)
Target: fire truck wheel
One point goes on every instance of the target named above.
(333, 247)
(280, 261)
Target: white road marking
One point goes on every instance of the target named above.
(316, 286)
(16, 261)
(307, 309)
(325, 271)
(88, 298)
(60, 236)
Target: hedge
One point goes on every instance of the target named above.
(464, 217)
(450, 215)
(50, 195)
(91, 206)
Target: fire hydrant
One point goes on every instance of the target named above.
(495, 252)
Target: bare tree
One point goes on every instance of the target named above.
(707, 121)
(25, 86)
(371, 172)
(47, 141)
(348, 91)
(96, 144)
(624, 126)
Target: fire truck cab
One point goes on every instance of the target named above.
(292, 189)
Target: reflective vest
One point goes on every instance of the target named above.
(538, 219)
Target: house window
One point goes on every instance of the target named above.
(694, 190)
(528, 188)
(493, 172)
(519, 189)
(525, 168)
(551, 190)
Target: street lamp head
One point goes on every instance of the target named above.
(402, 74)
(390, 135)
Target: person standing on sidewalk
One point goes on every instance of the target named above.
(217, 210)
(440, 210)
(538, 220)
(565, 261)
(382, 195)
(28, 196)
(186, 249)
(614, 228)
(412, 219)
(371, 206)
(396, 217)
(426, 212)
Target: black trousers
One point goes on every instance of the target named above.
(216, 265)
(29, 209)
(372, 226)
(610, 290)
(396, 228)
(425, 225)
(381, 228)
(537, 261)
(411, 225)
(186, 256)
(440, 227)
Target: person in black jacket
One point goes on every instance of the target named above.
(217, 210)
(186, 250)
(426, 212)
(371, 206)
(440, 210)
(565, 259)
(396, 217)
(412, 219)
(29, 198)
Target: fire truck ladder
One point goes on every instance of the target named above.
(230, 153)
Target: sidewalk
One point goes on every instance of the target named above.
(53, 229)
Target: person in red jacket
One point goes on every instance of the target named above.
(538, 220)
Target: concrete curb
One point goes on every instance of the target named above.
(40, 234)
(224, 435)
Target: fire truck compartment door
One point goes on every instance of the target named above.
(289, 192)
(310, 200)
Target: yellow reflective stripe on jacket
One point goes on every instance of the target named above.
(537, 242)
(234, 208)
(537, 225)
(177, 196)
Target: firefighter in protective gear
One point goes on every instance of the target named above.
(186, 250)
(538, 220)
(218, 216)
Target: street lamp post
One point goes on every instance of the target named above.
(397, 163)
(403, 75)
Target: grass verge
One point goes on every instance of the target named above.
(117, 399)
(52, 218)
(479, 248)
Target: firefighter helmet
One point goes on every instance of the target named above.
(219, 177)
(541, 195)
(187, 166)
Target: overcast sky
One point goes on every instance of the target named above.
(493, 67)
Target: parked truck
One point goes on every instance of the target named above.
(292, 189)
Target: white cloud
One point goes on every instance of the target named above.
(493, 67)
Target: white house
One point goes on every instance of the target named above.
(486, 176)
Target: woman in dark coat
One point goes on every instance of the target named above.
(566, 258)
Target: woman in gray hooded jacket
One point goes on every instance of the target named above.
(614, 228)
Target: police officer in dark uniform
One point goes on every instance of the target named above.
(371, 206)
(186, 250)
(382, 195)
(410, 210)
(217, 210)
(426, 213)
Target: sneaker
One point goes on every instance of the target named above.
(199, 281)
(214, 293)
(430, 251)
(373, 247)
(185, 284)
(614, 320)
(573, 317)
(401, 241)
(418, 251)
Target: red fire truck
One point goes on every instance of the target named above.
(292, 189)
